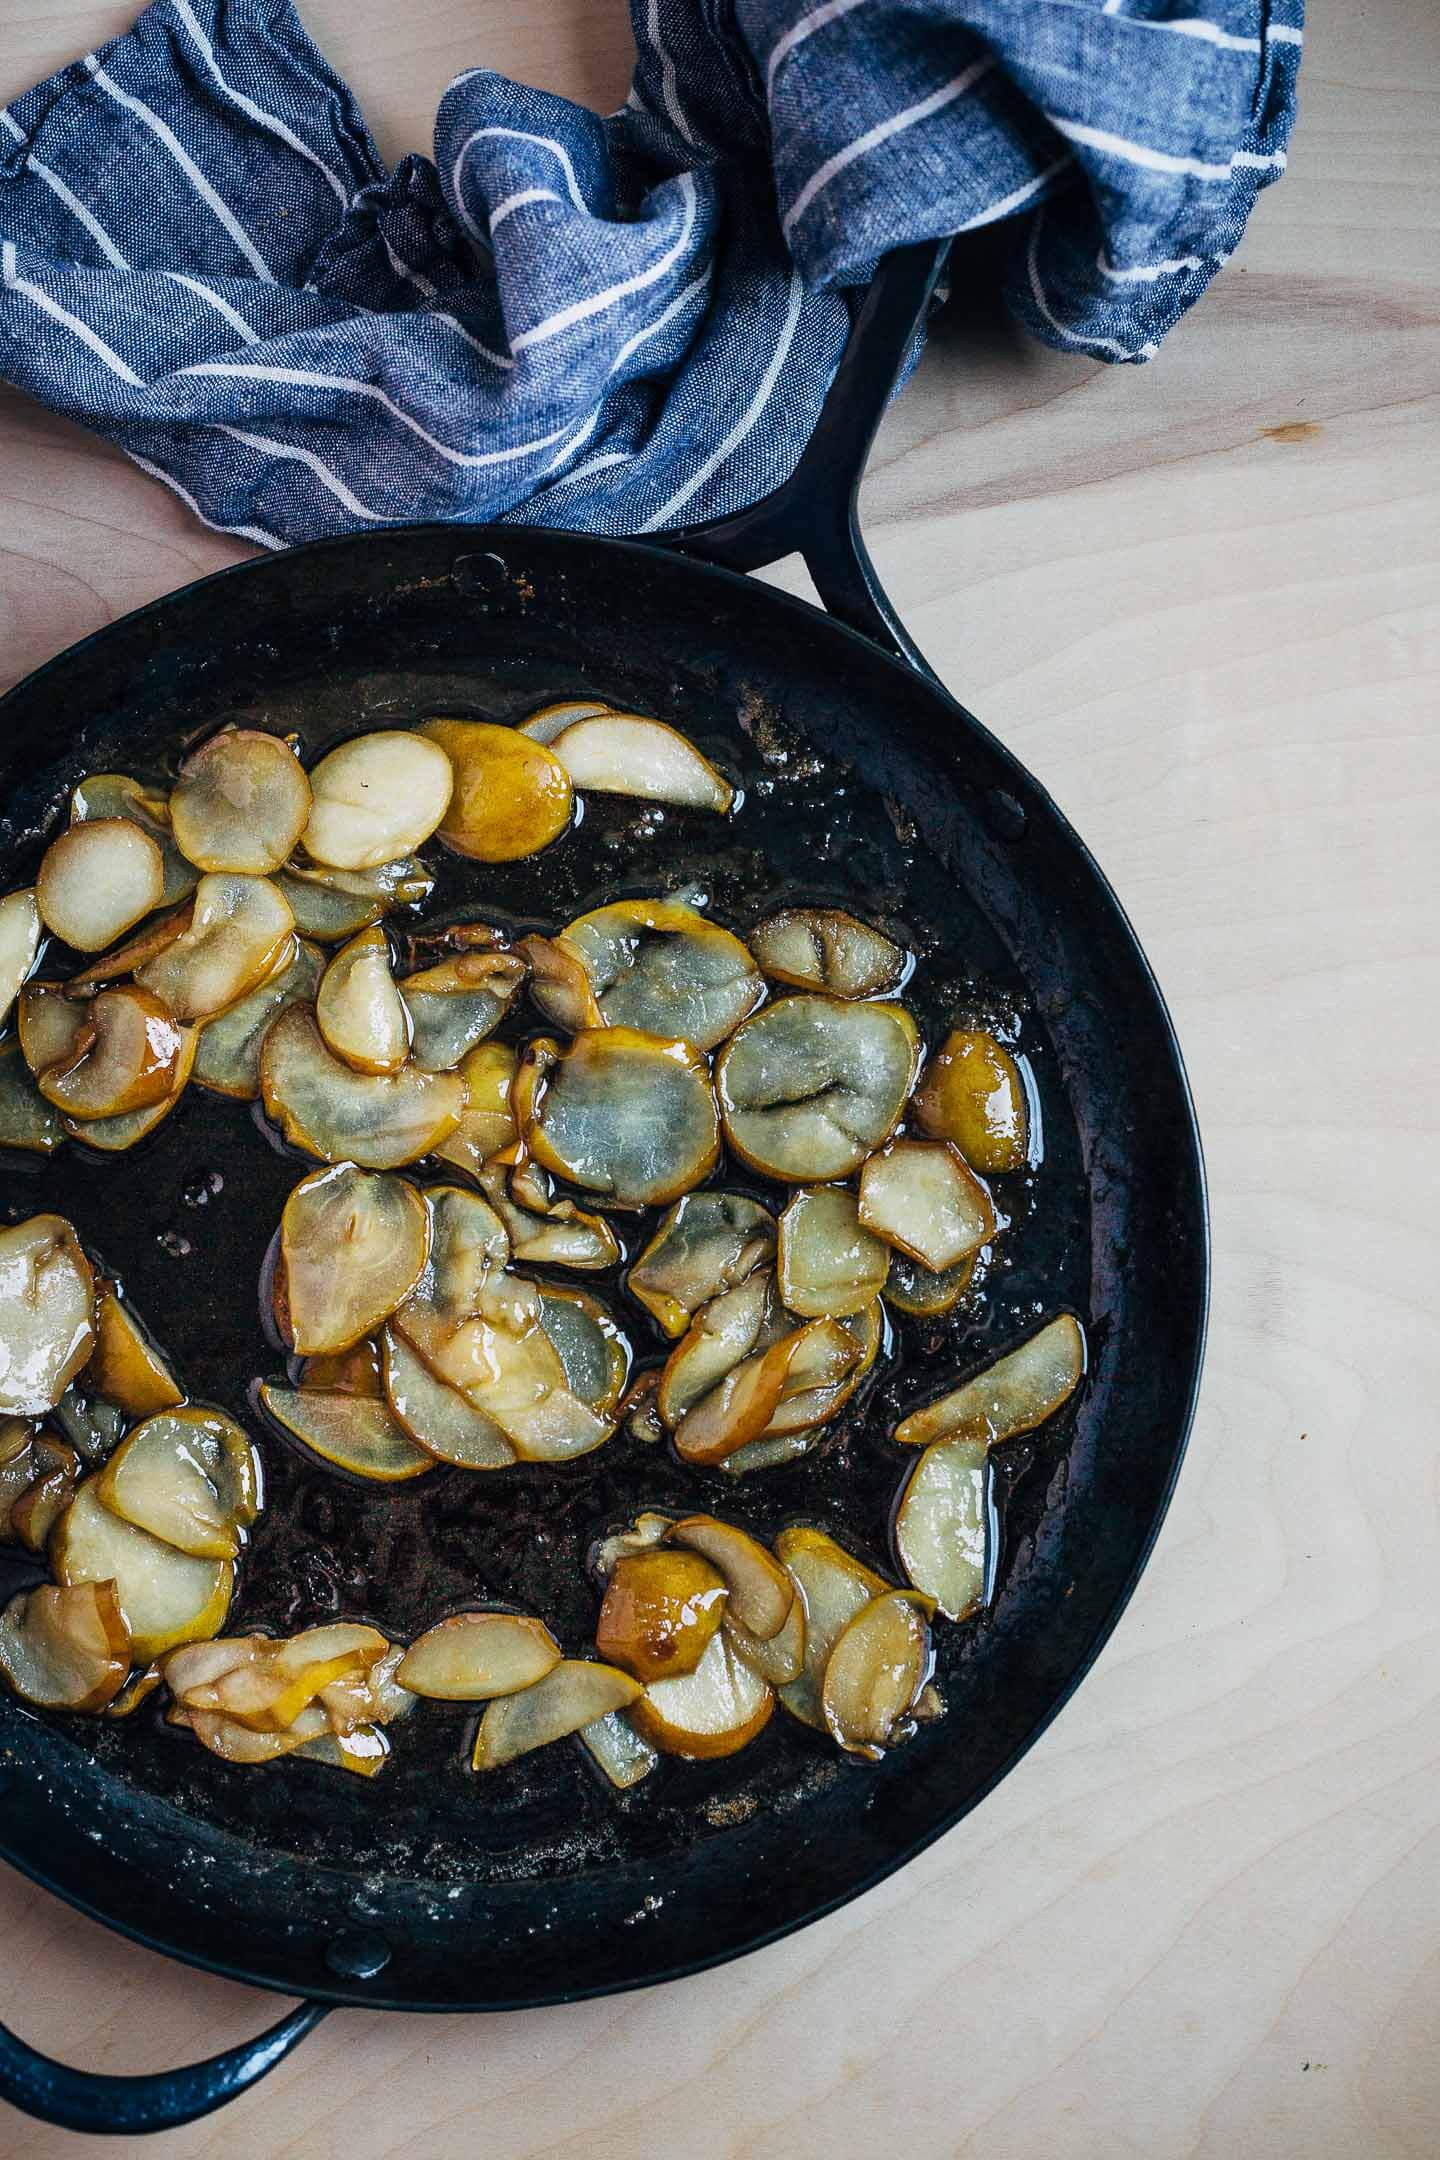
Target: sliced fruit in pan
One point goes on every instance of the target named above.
(376, 798)
(505, 1363)
(876, 1668)
(228, 1057)
(706, 1244)
(266, 1683)
(56, 1472)
(236, 1743)
(762, 1592)
(943, 1524)
(19, 944)
(241, 802)
(818, 948)
(356, 1371)
(189, 1477)
(66, 1647)
(815, 1357)
(512, 795)
(51, 1025)
(113, 1134)
(614, 1744)
(1013, 1395)
(376, 1120)
(132, 954)
(116, 795)
(922, 1197)
(27, 1121)
(834, 1586)
(661, 1609)
(624, 754)
(487, 1124)
(240, 931)
(456, 1003)
(810, 1086)
(438, 1417)
(552, 720)
(125, 1366)
(972, 1094)
(715, 1710)
(772, 1451)
(92, 1426)
(125, 1058)
(478, 1656)
(358, 1008)
(17, 1465)
(812, 1402)
(560, 1235)
(330, 905)
(97, 880)
(593, 1350)
(573, 1695)
(654, 965)
(727, 1330)
(828, 1261)
(779, 1658)
(620, 1113)
(353, 1244)
(911, 1288)
(468, 1245)
(168, 1597)
(47, 1314)
(354, 1432)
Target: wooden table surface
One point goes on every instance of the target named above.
(1200, 600)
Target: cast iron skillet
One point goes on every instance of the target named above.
(867, 783)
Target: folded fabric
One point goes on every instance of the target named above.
(622, 324)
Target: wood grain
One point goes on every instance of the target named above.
(1200, 600)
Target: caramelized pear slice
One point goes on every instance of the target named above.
(943, 1524)
(168, 1597)
(829, 1262)
(614, 1744)
(132, 954)
(17, 1465)
(875, 1672)
(377, 1120)
(595, 1354)
(125, 1366)
(125, 1059)
(715, 1710)
(562, 1235)
(228, 1057)
(810, 1403)
(761, 1590)
(487, 1124)
(353, 1244)
(19, 944)
(660, 1611)
(65, 1648)
(47, 1314)
(972, 1095)
(911, 1288)
(707, 1244)
(52, 1026)
(741, 1409)
(353, 1432)
(56, 1473)
(574, 1694)
(97, 880)
(1013, 1395)
(359, 1010)
(810, 1086)
(653, 965)
(834, 1586)
(375, 798)
(438, 1417)
(236, 1743)
(778, 1658)
(455, 1004)
(356, 1371)
(189, 1477)
(27, 1121)
(241, 802)
(468, 1246)
(240, 931)
(116, 795)
(772, 1451)
(923, 1198)
(478, 1656)
(266, 1684)
(722, 1334)
(363, 1751)
(505, 1363)
(113, 1134)
(623, 1114)
(91, 1425)
(624, 754)
(552, 720)
(329, 905)
(642, 1535)
(512, 795)
(818, 948)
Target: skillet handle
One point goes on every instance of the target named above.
(814, 513)
(134, 2106)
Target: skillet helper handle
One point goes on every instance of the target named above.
(134, 2106)
(814, 513)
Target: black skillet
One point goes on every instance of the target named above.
(866, 783)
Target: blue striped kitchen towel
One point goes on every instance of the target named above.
(621, 324)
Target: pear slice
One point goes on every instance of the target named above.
(376, 798)
(267, 1684)
(376, 1120)
(810, 1086)
(772, 1451)
(834, 1587)
(762, 1592)
(125, 1366)
(660, 1611)
(359, 1010)
(167, 1597)
(623, 1114)
(552, 720)
(353, 1432)
(240, 931)
(437, 1417)
(19, 944)
(504, 1362)
(829, 1262)
(811, 1402)
(117, 795)
(56, 1471)
(113, 1134)
(228, 1057)
(47, 1314)
(875, 1671)
(813, 1358)
(654, 965)
(779, 1658)
(911, 1288)
(478, 1656)
(468, 1246)
(512, 795)
(65, 1648)
(132, 954)
(715, 1710)
(560, 1235)
(27, 1121)
(624, 754)
(707, 1244)
(943, 1524)
(97, 880)
(593, 1351)
(614, 1744)
(330, 905)
(353, 1244)
(923, 1198)
(727, 1330)
(818, 948)
(487, 1124)
(236, 1743)
(52, 1025)
(1013, 1395)
(574, 1694)
(973, 1095)
(125, 1059)
(456, 1003)
(241, 802)
(189, 1477)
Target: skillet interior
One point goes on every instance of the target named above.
(865, 785)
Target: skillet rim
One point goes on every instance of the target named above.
(477, 539)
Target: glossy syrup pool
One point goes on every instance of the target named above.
(184, 1220)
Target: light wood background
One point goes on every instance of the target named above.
(1200, 599)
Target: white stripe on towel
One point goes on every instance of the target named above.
(48, 306)
(881, 132)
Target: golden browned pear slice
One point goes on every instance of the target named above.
(52, 1025)
(189, 1477)
(723, 1333)
(236, 1743)
(829, 1262)
(559, 1235)
(96, 881)
(363, 1751)
(811, 1360)
(354, 1432)
(322, 1105)
(625, 754)
(574, 1694)
(642, 1535)
(875, 1670)
(911, 1288)
(19, 944)
(661, 1609)
(512, 795)
(715, 1710)
(241, 802)
(455, 1004)
(818, 948)
(56, 1474)
(368, 1694)
(468, 1245)
(330, 904)
(65, 1648)
(623, 1114)
(125, 1366)
(503, 1360)
(356, 1371)
(354, 1244)
(17, 1465)
(477, 1656)
(973, 1095)
(47, 1314)
(922, 1197)
(438, 1417)
(654, 965)
(265, 1683)
(834, 1587)
(125, 1059)
(228, 1057)
(1013, 1395)
(772, 1451)
(113, 1134)
(552, 720)
(92, 1426)
(762, 1592)
(168, 1597)
(240, 931)
(487, 1124)
(117, 795)
(594, 1351)
(778, 1658)
(614, 1744)
(943, 1524)
(27, 1121)
(707, 1244)
(359, 1009)
(810, 1086)
(376, 798)
(814, 1402)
